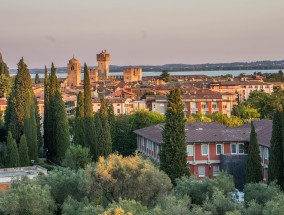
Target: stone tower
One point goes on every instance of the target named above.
(103, 65)
(74, 72)
(132, 74)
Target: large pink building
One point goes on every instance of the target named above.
(212, 147)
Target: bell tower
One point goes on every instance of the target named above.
(74, 72)
(103, 65)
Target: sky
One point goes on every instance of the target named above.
(144, 32)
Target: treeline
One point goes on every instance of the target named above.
(22, 123)
(133, 185)
(260, 105)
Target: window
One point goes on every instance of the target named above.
(266, 154)
(157, 149)
(241, 148)
(234, 148)
(224, 106)
(189, 150)
(216, 170)
(214, 106)
(260, 151)
(219, 149)
(118, 111)
(201, 171)
(204, 105)
(118, 105)
(204, 149)
(237, 148)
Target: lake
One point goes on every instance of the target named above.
(209, 73)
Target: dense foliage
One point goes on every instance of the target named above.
(133, 185)
(125, 141)
(260, 105)
(217, 117)
(77, 157)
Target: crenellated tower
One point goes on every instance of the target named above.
(103, 65)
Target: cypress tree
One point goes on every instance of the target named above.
(50, 124)
(17, 103)
(79, 133)
(61, 138)
(12, 152)
(253, 168)
(90, 137)
(275, 167)
(54, 85)
(173, 153)
(105, 144)
(4, 70)
(24, 152)
(37, 80)
(46, 122)
(30, 129)
(111, 121)
(38, 124)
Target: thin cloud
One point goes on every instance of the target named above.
(50, 39)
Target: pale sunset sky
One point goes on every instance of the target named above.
(144, 32)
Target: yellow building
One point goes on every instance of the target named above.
(132, 74)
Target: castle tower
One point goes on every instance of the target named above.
(132, 74)
(74, 72)
(103, 65)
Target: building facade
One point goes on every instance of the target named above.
(212, 147)
(198, 103)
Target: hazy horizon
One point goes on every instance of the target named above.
(141, 32)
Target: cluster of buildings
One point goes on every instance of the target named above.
(133, 91)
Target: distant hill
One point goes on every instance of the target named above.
(258, 65)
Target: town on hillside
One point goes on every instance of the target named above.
(224, 129)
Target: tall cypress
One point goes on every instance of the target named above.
(173, 153)
(50, 124)
(79, 133)
(57, 137)
(30, 128)
(105, 144)
(38, 124)
(89, 115)
(12, 152)
(275, 167)
(253, 168)
(37, 80)
(111, 120)
(24, 152)
(46, 122)
(61, 138)
(17, 103)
